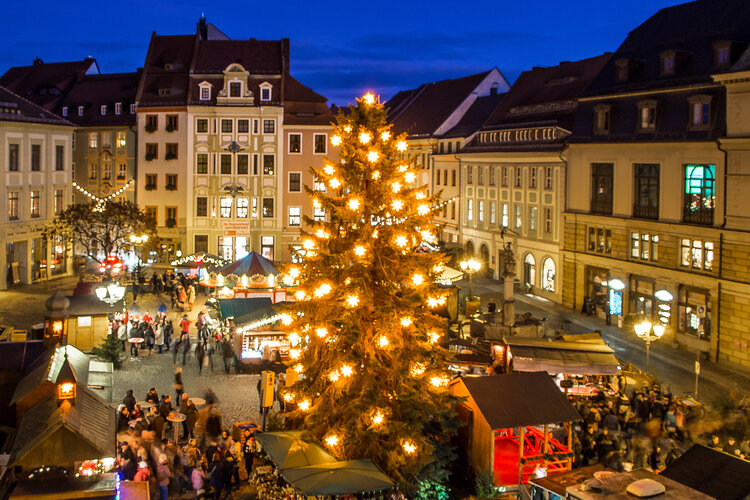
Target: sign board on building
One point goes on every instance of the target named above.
(700, 311)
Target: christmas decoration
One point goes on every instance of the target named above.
(372, 379)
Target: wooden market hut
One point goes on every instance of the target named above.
(508, 418)
(712, 472)
(84, 320)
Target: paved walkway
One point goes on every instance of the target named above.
(672, 366)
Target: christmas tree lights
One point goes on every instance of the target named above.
(372, 375)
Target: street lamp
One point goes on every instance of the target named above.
(470, 266)
(138, 240)
(110, 294)
(649, 333)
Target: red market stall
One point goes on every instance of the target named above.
(509, 419)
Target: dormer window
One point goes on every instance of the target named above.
(722, 54)
(132, 109)
(205, 91)
(118, 108)
(668, 63)
(265, 91)
(700, 112)
(622, 69)
(235, 89)
(80, 110)
(104, 109)
(65, 111)
(647, 116)
(602, 118)
(164, 92)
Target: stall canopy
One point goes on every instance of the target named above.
(449, 275)
(337, 478)
(519, 399)
(287, 449)
(252, 264)
(239, 308)
(712, 472)
(590, 357)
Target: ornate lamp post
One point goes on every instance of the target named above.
(649, 333)
(470, 266)
(110, 294)
(138, 240)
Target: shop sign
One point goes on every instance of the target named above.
(615, 302)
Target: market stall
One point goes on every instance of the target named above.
(193, 264)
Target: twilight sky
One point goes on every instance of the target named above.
(339, 49)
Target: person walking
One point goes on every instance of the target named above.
(122, 334)
(159, 334)
(163, 475)
(191, 296)
(178, 385)
(248, 452)
(217, 474)
(200, 354)
(150, 336)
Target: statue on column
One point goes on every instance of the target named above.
(510, 260)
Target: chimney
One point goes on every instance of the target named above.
(202, 28)
(38, 61)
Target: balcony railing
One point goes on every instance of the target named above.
(646, 212)
(698, 216)
(601, 206)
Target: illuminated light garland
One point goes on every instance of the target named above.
(375, 175)
(322, 234)
(420, 195)
(308, 244)
(417, 370)
(295, 353)
(401, 241)
(334, 183)
(323, 290)
(396, 187)
(423, 209)
(397, 205)
(439, 381)
(417, 279)
(334, 376)
(293, 272)
(332, 440)
(286, 319)
(288, 397)
(316, 203)
(433, 337)
(321, 332)
(197, 258)
(378, 418)
(329, 170)
(403, 168)
(410, 177)
(368, 98)
(348, 129)
(300, 295)
(346, 371)
(294, 339)
(299, 368)
(260, 323)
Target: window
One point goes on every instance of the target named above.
(201, 163)
(269, 126)
(453, 210)
(58, 201)
(104, 109)
(122, 139)
(548, 275)
(59, 158)
(266, 247)
(453, 177)
(34, 207)
(171, 123)
(243, 126)
(493, 215)
(171, 216)
(469, 175)
(255, 126)
(106, 171)
(445, 177)
(622, 69)
(13, 157)
(225, 207)
(319, 185)
(93, 140)
(118, 108)
(235, 89)
(265, 93)
(689, 300)
(646, 204)
(700, 112)
(470, 210)
(201, 125)
(171, 182)
(255, 207)
(242, 207)
(268, 164)
(437, 177)
(647, 116)
(201, 243)
(667, 63)
(321, 140)
(107, 140)
(480, 176)
(122, 171)
(506, 215)
(93, 171)
(602, 118)
(226, 164)
(151, 182)
(205, 93)
(548, 178)
(267, 207)
(226, 126)
(171, 151)
(722, 54)
(65, 111)
(492, 176)
(152, 213)
(601, 188)
(319, 214)
(242, 164)
(519, 177)
(13, 206)
(697, 254)
(700, 193)
(532, 178)
(165, 91)
(80, 110)
(295, 182)
(547, 220)
(294, 216)
(152, 151)
(644, 246)
(152, 122)
(519, 216)
(532, 218)
(132, 109)
(504, 177)
(295, 143)
(599, 240)
(255, 164)
(201, 206)
(480, 209)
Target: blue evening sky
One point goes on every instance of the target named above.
(339, 49)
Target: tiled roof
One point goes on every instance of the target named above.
(14, 108)
(97, 90)
(90, 418)
(475, 116)
(46, 84)
(303, 106)
(422, 110)
(256, 56)
(165, 71)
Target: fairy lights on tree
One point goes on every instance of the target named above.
(372, 380)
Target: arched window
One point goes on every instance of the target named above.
(548, 275)
(529, 270)
(484, 254)
(469, 248)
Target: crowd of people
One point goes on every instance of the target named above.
(205, 461)
(181, 289)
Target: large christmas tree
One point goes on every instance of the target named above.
(372, 379)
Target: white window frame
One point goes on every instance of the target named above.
(267, 120)
(469, 210)
(132, 109)
(122, 170)
(225, 210)
(289, 180)
(493, 214)
(118, 108)
(480, 210)
(265, 86)
(319, 214)
(104, 109)
(242, 202)
(292, 217)
(325, 144)
(204, 94)
(505, 215)
(80, 110)
(65, 111)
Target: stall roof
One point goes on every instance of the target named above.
(338, 478)
(711, 472)
(235, 308)
(48, 369)
(558, 356)
(615, 486)
(519, 399)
